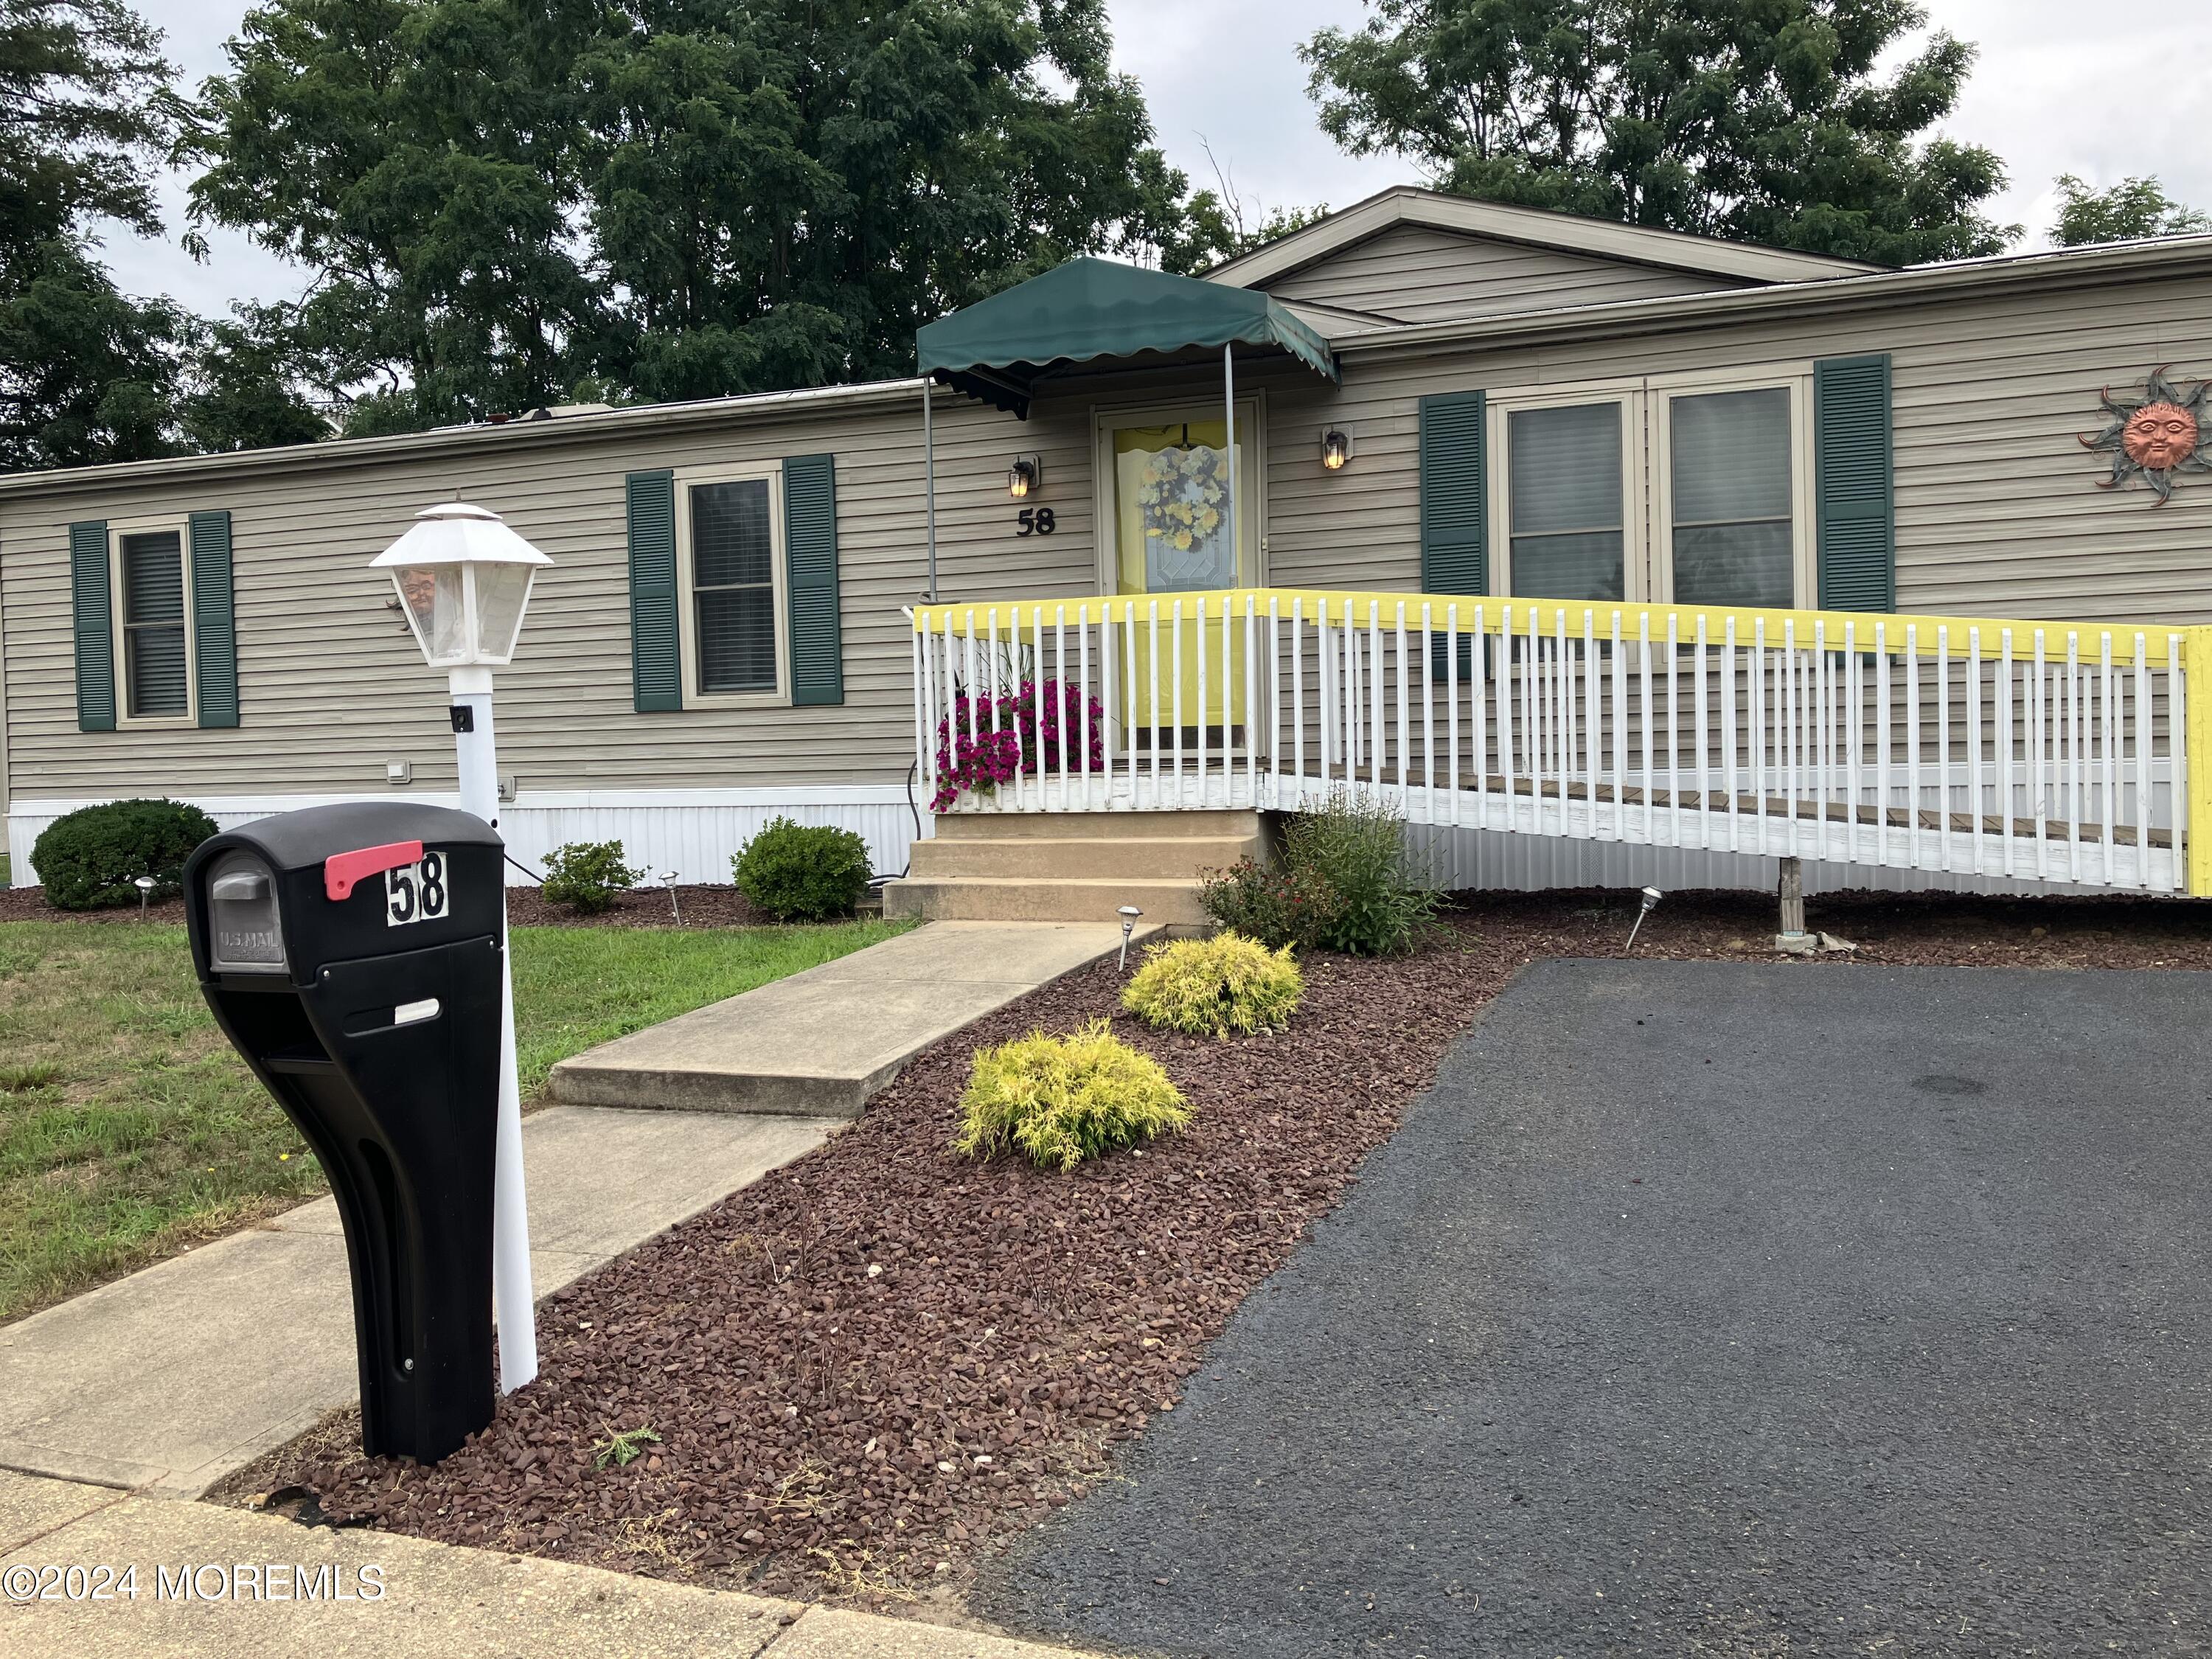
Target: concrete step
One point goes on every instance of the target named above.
(1061, 858)
(1209, 825)
(819, 1043)
(991, 898)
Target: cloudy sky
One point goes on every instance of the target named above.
(2059, 89)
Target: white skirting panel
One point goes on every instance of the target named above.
(1462, 860)
(694, 832)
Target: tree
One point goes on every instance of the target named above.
(502, 199)
(239, 387)
(419, 157)
(1758, 121)
(2132, 208)
(87, 374)
(781, 193)
(84, 108)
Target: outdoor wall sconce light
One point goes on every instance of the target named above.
(1024, 476)
(1335, 448)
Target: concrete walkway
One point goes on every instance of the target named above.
(821, 1042)
(176, 1375)
(381, 1594)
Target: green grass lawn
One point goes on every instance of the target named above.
(129, 1129)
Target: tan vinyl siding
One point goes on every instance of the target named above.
(1998, 509)
(331, 686)
(1997, 513)
(1418, 274)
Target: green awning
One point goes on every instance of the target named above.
(999, 348)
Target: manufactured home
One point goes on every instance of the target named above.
(1610, 555)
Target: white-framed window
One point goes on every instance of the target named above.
(1689, 489)
(729, 572)
(150, 576)
(1732, 463)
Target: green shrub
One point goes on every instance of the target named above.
(588, 876)
(89, 858)
(1059, 1100)
(1356, 846)
(803, 871)
(1274, 904)
(1215, 986)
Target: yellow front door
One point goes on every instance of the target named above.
(1171, 536)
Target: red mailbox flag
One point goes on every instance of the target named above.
(342, 870)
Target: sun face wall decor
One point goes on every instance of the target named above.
(2159, 435)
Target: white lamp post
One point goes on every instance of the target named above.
(463, 579)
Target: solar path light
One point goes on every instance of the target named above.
(1128, 913)
(464, 579)
(1651, 897)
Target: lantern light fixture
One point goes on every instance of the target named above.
(463, 579)
(1024, 476)
(1335, 448)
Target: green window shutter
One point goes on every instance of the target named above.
(94, 618)
(810, 539)
(1855, 506)
(1455, 503)
(656, 665)
(215, 633)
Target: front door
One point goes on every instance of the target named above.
(1168, 508)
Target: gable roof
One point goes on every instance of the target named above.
(1671, 250)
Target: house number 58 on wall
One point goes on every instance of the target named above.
(1035, 521)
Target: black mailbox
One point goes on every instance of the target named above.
(353, 954)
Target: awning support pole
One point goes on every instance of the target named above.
(929, 480)
(1229, 392)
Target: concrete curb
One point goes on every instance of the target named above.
(211, 1580)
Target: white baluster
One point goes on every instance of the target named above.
(2146, 728)
(1153, 666)
(1199, 638)
(1451, 700)
(1299, 700)
(1619, 735)
(1882, 751)
(1944, 740)
(1727, 690)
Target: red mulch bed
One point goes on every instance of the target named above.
(877, 1363)
(702, 906)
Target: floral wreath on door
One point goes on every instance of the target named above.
(1180, 493)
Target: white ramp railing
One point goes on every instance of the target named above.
(2043, 750)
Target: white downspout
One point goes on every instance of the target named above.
(929, 479)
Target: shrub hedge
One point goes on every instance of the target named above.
(88, 859)
(1215, 986)
(1059, 1100)
(588, 876)
(803, 871)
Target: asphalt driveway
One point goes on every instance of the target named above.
(1717, 1310)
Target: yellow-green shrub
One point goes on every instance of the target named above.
(1059, 1100)
(1221, 985)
